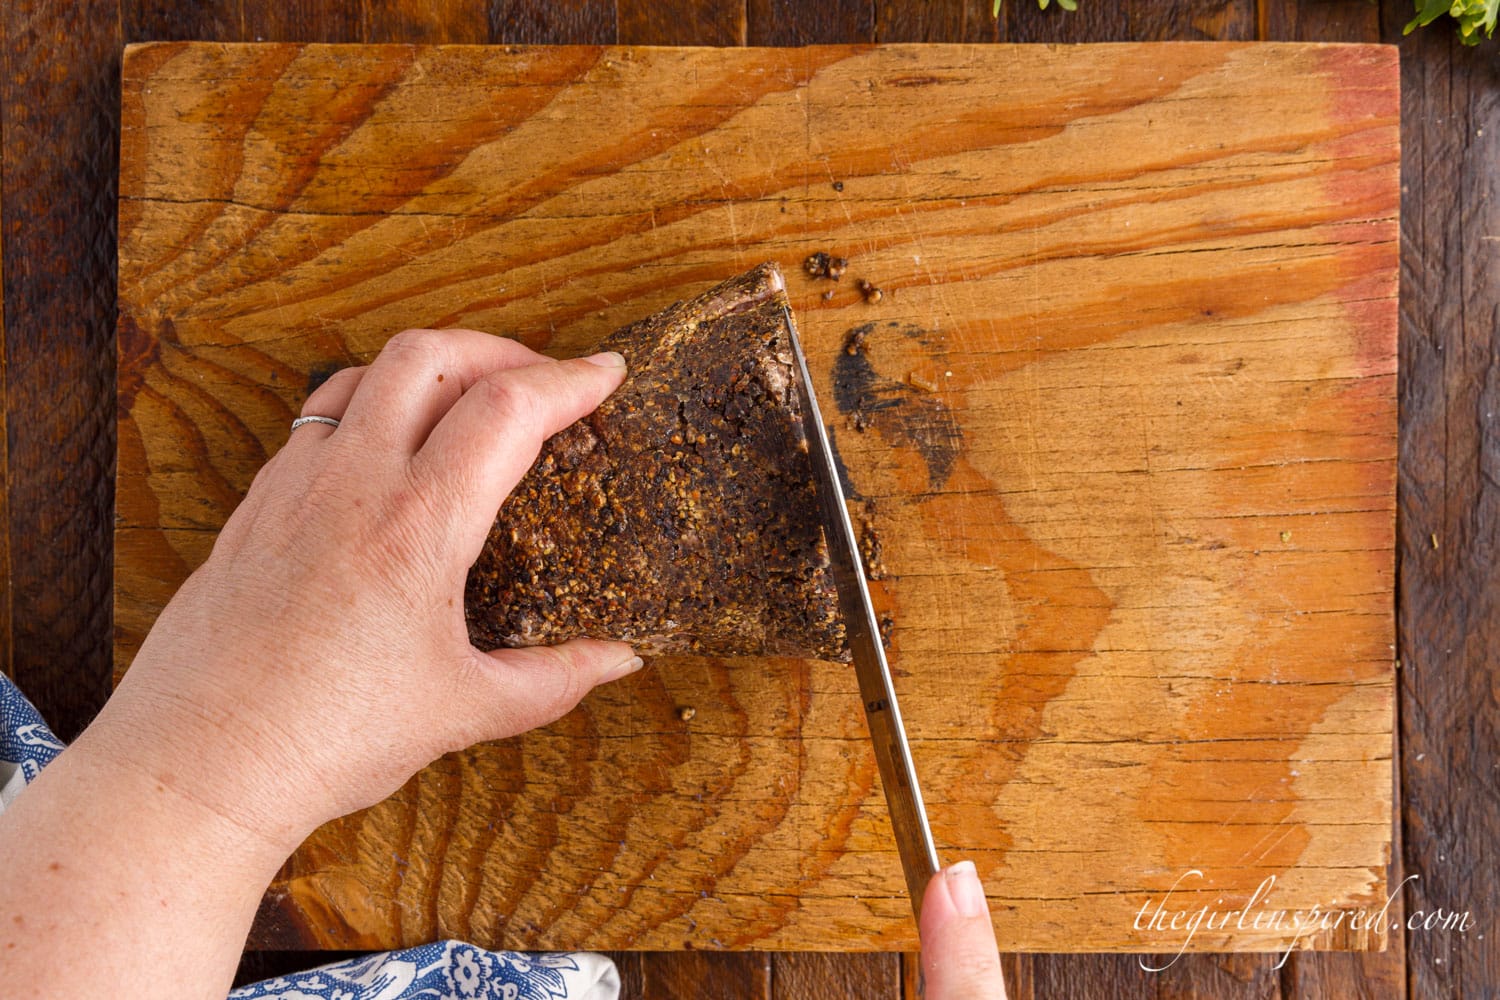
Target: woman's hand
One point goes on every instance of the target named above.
(959, 958)
(319, 657)
(315, 661)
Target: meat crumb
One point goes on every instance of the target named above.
(686, 713)
(870, 552)
(823, 265)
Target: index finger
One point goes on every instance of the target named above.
(418, 375)
(488, 440)
(959, 957)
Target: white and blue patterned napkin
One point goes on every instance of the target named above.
(443, 970)
(26, 744)
(449, 969)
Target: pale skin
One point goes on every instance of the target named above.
(332, 603)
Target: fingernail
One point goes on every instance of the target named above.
(625, 669)
(964, 887)
(607, 359)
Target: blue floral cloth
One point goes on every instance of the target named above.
(437, 971)
(26, 744)
(445, 969)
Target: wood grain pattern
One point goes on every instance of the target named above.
(462, 22)
(697, 975)
(1157, 483)
(1450, 509)
(1371, 975)
(1093, 22)
(673, 22)
(170, 21)
(792, 22)
(300, 21)
(1336, 21)
(1130, 20)
(1308, 974)
(59, 148)
(568, 22)
(5, 644)
(681, 22)
(937, 21)
(828, 976)
(1343, 975)
(1441, 240)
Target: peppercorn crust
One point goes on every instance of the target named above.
(681, 515)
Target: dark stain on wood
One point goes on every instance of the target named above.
(321, 373)
(901, 413)
(846, 482)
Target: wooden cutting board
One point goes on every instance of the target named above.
(1124, 428)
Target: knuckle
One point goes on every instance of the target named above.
(414, 347)
(533, 686)
(567, 684)
(573, 686)
(337, 385)
(343, 376)
(512, 403)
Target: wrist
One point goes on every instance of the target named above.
(201, 775)
(111, 869)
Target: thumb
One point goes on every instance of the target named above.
(522, 689)
(959, 957)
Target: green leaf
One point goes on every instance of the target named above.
(1427, 12)
(1064, 4)
(1474, 17)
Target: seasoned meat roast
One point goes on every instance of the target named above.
(681, 515)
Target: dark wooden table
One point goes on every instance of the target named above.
(59, 131)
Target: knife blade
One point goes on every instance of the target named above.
(898, 776)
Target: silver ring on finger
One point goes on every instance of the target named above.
(314, 420)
